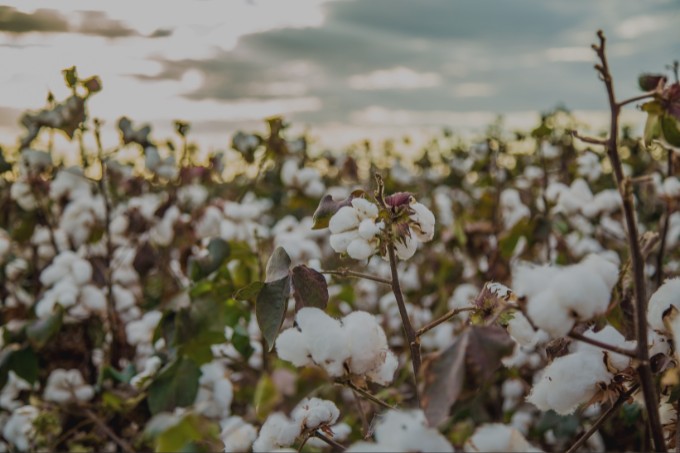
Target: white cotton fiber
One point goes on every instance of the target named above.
(291, 345)
(666, 296)
(569, 381)
(492, 437)
(547, 313)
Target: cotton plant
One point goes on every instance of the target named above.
(498, 437)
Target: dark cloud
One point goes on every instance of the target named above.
(497, 43)
(95, 23)
(98, 23)
(42, 20)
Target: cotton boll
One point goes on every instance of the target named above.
(364, 208)
(580, 290)
(605, 268)
(344, 220)
(671, 187)
(497, 437)
(360, 249)
(528, 280)
(326, 339)
(291, 346)
(569, 381)
(408, 431)
(547, 313)
(313, 413)
(384, 374)
(423, 222)
(367, 341)
(406, 249)
(658, 344)
(93, 299)
(67, 385)
(521, 330)
(19, 430)
(341, 241)
(277, 431)
(663, 298)
(81, 271)
(237, 435)
(151, 367)
(368, 229)
(10, 392)
(608, 335)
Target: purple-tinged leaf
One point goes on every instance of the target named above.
(309, 288)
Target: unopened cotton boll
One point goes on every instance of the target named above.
(494, 437)
(568, 382)
(276, 432)
(313, 413)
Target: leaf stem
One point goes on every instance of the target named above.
(349, 273)
(365, 394)
(420, 332)
(329, 441)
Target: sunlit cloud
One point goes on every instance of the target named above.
(398, 78)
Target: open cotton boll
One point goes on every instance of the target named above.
(313, 413)
(291, 346)
(365, 209)
(237, 435)
(582, 291)
(663, 298)
(67, 385)
(326, 339)
(494, 437)
(370, 447)
(344, 220)
(604, 267)
(384, 374)
(368, 229)
(406, 249)
(360, 249)
(608, 335)
(546, 312)
(528, 279)
(276, 432)
(19, 429)
(422, 225)
(568, 382)
(521, 330)
(401, 430)
(367, 341)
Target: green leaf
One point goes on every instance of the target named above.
(175, 386)
(249, 292)
(199, 327)
(22, 361)
(671, 130)
(218, 251)
(509, 239)
(172, 432)
(241, 341)
(270, 308)
(40, 331)
(652, 128)
(309, 288)
(278, 265)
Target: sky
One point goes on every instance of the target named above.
(342, 69)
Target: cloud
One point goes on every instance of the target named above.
(473, 90)
(97, 23)
(42, 20)
(570, 54)
(397, 78)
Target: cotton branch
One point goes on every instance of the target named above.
(456, 311)
(644, 369)
(349, 273)
(627, 352)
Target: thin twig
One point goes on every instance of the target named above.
(329, 441)
(591, 140)
(644, 369)
(366, 395)
(609, 347)
(443, 319)
(603, 418)
(635, 99)
(664, 230)
(362, 413)
(348, 273)
(122, 443)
